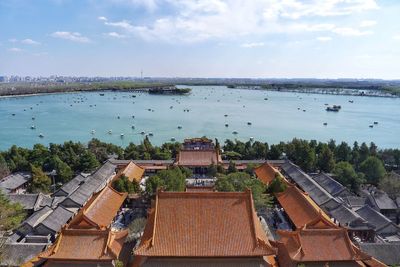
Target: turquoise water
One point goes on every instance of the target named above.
(273, 120)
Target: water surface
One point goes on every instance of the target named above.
(73, 116)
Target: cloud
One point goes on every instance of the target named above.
(367, 23)
(12, 40)
(149, 5)
(16, 50)
(194, 21)
(252, 45)
(71, 36)
(30, 42)
(102, 18)
(115, 35)
(347, 31)
(324, 38)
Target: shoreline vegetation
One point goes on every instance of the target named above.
(373, 88)
(26, 89)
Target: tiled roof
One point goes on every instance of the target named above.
(14, 181)
(87, 245)
(37, 217)
(331, 185)
(266, 173)
(316, 192)
(300, 208)
(317, 245)
(14, 254)
(389, 253)
(198, 158)
(133, 172)
(208, 262)
(382, 224)
(382, 201)
(71, 186)
(27, 201)
(204, 224)
(100, 210)
(54, 221)
(354, 201)
(349, 218)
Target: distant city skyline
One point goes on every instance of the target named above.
(207, 38)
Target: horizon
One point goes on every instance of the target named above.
(268, 39)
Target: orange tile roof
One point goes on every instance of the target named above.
(316, 245)
(198, 158)
(266, 173)
(100, 211)
(87, 245)
(204, 224)
(300, 208)
(133, 172)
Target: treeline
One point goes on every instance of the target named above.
(353, 165)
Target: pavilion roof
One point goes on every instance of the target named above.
(198, 157)
(204, 224)
(300, 208)
(317, 245)
(100, 210)
(86, 245)
(133, 172)
(266, 173)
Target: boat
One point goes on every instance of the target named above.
(351, 101)
(235, 132)
(172, 139)
(142, 132)
(375, 122)
(371, 126)
(93, 131)
(122, 135)
(226, 115)
(41, 135)
(251, 138)
(150, 134)
(248, 123)
(33, 127)
(334, 108)
(133, 116)
(33, 118)
(265, 98)
(109, 132)
(101, 94)
(226, 125)
(133, 127)
(118, 117)
(179, 127)
(13, 114)
(325, 123)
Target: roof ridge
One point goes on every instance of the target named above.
(155, 218)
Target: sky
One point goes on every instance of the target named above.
(203, 38)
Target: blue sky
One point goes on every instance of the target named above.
(205, 38)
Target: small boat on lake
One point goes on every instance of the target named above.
(226, 125)
(172, 139)
(248, 123)
(33, 127)
(122, 135)
(41, 135)
(109, 132)
(371, 126)
(334, 108)
(179, 127)
(101, 94)
(93, 131)
(151, 134)
(325, 123)
(235, 132)
(375, 122)
(142, 132)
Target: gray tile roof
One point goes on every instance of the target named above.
(17, 253)
(27, 201)
(14, 181)
(388, 253)
(331, 185)
(93, 183)
(354, 201)
(316, 192)
(382, 224)
(71, 186)
(55, 220)
(37, 217)
(348, 218)
(382, 201)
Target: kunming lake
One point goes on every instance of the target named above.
(213, 111)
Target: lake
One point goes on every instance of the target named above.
(82, 116)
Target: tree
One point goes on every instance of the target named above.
(364, 152)
(232, 167)
(11, 214)
(391, 184)
(326, 161)
(122, 184)
(212, 170)
(346, 175)
(153, 183)
(4, 170)
(40, 181)
(88, 162)
(64, 172)
(171, 180)
(277, 185)
(343, 152)
(373, 169)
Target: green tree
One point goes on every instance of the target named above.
(343, 152)
(326, 161)
(122, 184)
(212, 170)
(11, 214)
(64, 172)
(40, 181)
(4, 170)
(153, 183)
(373, 169)
(88, 162)
(346, 175)
(232, 167)
(277, 185)
(391, 184)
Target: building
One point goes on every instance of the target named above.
(15, 183)
(204, 229)
(266, 173)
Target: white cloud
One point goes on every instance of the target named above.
(12, 40)
(324, 38)
(347, 31)
(115, 35)
(194, 21)
(367, 23)
(252, 45)
(15, 50)
(150, 5)
(71, 36)
(30, 42)
(102, 18)
(396, 37)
